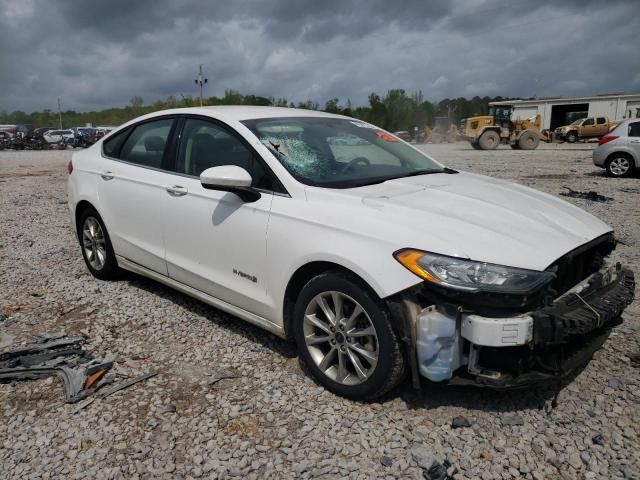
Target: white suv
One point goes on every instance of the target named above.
(376, 259)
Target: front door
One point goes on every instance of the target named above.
(215, 242)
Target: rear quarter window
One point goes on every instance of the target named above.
(111, 147)
(634, 129)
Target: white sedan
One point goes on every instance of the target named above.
(378, 261)
(56, 136)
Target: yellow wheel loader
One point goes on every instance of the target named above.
(486, 132)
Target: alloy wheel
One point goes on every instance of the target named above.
(340, 338)
(619, 166)
(94, 243)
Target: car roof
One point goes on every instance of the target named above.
(244, 112)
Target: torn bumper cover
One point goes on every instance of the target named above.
(464, 348)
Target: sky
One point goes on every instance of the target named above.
(96, 55)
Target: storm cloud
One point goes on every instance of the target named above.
(100, 54)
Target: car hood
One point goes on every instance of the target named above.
(470, 216)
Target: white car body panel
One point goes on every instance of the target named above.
(214, 241)
(194, 242)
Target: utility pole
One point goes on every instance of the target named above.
(201, 80)
(60, 112)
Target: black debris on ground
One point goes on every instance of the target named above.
(590, 195)
(460, 422)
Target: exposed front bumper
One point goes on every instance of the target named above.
(548, 343)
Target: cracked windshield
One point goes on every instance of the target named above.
(339, 153)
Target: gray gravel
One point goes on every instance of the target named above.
(272, 420)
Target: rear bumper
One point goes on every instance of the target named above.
(542, 345)
(599, 157)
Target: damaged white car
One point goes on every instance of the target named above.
(377, 260)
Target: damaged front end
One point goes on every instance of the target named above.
(506, 340)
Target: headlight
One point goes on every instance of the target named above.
(471, 276)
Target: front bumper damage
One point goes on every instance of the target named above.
(448, 341)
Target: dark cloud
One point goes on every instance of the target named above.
(98, 54)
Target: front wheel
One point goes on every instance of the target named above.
(528, 141)
(572, 137)
(345, 339)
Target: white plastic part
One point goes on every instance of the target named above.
(438, 345)
(497, 332)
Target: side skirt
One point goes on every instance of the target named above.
(203, 297)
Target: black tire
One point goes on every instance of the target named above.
(475, 145)
(619, 165)
(571, 137)
(528, 141)
(489, 140)
(109, 270)
(390, 366)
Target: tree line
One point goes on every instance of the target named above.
(394, 111)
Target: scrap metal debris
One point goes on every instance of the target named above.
(56, 355)
(219, 376)
(127, 384)
(63, 356)
(590, 195)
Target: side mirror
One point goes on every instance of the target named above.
(230, 178)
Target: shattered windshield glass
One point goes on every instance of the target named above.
(339, 153)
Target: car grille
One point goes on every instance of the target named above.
(578, 264)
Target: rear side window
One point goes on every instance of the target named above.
(111, 147)
(602, 120)
(634, 129)
(145, 146)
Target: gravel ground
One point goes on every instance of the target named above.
(273, 421)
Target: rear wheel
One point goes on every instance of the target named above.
(528, 141)
(97, 250)
(345, 339)
(489, 140)
(572, 137)
(620, 165)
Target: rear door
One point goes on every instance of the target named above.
(601, 127)
(132, 191)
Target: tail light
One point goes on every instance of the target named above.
(606, 139)
(69, 167)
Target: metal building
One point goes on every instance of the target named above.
(558, 111)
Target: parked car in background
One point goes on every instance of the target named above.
(585, 128)
(403, 135)
(374, 257)
(56, 136)
(619, 151)
(39, 132)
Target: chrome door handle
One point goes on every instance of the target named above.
(176, 190)
(107, 175)
(634, 141)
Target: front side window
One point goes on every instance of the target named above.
(206, 144)
(145, 146)
(634, 129)
(339, 153)
(587, 122)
